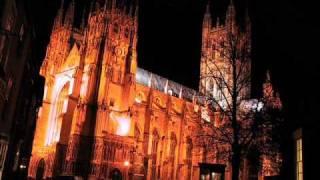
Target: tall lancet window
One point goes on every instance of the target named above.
(173, 145)
(59, 108)
(154, 151)
(189, 148)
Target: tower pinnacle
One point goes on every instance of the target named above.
(207, 17)
(231, 16)
(58, 19)
(68, 20)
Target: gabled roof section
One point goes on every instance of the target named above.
(73, 59)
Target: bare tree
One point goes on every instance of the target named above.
(241, 123)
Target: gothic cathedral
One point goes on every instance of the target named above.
(103, 117)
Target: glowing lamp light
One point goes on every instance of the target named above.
(138, 99)
(126, 163)
(213, 175)
(123, 126)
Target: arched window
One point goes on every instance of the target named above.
(214, 51)
(154, 150)
(115, 174)
(40, 170)
(116, 28)
(211, 85)
(204, 154)
(59, 109)
(173, 144)
(126, 33)
(189, 147)
(136, 132)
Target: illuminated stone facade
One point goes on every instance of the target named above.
(103, 117)
(216, 54)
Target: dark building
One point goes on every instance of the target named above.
(20, 95)
(302, 130)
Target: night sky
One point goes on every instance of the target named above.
(285, 41)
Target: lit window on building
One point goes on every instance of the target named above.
(299, 160)
(116, 28)
(126, 33)
(205, 114)
(111, 102)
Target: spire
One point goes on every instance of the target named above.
(267, 86)
(136, 13)
(207, 16)
(206, 28)
(268, 79)
(231, 15)
(105, 5)
(271, 97)
(150, 80)
(166, 87)
(231, 11)
(68, 21)
(208, 8)
(97, 6)
(218, 22)
(83, 20)
(58, 19)
(113, 4)
(133, 8)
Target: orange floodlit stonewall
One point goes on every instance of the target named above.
(102, 117)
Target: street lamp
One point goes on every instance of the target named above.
(126, 163)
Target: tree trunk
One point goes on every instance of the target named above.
(235, 127)
(236, 150)
(235, 161)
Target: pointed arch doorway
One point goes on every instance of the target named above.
(115, 174)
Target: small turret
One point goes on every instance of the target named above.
(207, 17)
(231, 17)
(218, 22)
(97, 6)
(136, 15)
(271, 97)
(69, 18)
(113, 6)
(105, 6)
(206, 27)
(59, 17)
(83, 20)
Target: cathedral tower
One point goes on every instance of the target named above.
(217, 52)
(102, 117)
(89, 72)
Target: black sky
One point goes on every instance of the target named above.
(285, 41)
